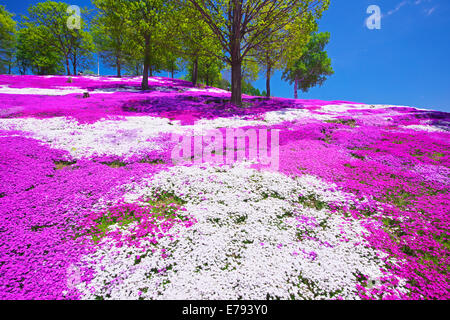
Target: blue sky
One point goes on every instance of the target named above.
(406, 62)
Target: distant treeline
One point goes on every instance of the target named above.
(201, 38)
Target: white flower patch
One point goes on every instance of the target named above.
(123, 137)
(339, 108)
(57, 91)
(269, 118)
(293, 114)
(254, 239)
(427, 128)
(209, 90)
(118, 89)
(234, 122)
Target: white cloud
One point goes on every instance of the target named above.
(413, 3)
(398, 7)
(430, 11)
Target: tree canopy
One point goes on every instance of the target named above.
(243, 25)
(201, 37)
(313, 67)
(7, 40)
(112, 34)
(47, 23)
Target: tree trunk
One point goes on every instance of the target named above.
(74, 65)
(67, 66)
(236, 61)
(146, 62)
(119, 68)
(236, 83)
(268, 75)
(296, 89)
(195, 72)
(171, 72)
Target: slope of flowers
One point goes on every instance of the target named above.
(93, 207)
(253, 239)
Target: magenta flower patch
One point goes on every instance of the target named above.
(93, 205)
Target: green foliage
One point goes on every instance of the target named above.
(148, 19)
(113, 35)
(223, 83)
(34, 54)
(209, 71)
(81, 55)
(281, 48)
(241, 29)
(148, 36)
(247, 88)
(46, 24)
(7, 40)
(194, 41)
(250, 69)
(314, 65)
(296, 36)
(171, 62)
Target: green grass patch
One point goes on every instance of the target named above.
(357, 156)
(114, 164)
(63, 164)
(349, 122)
(312, 201)
(328, 136)
(37, 228)
(152, 161)
(157, 207)
(437, 156)
(399, 198)
(166, 198)
(241, 219)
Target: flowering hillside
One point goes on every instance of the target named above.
(110, 192)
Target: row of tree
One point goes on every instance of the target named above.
(142, 37)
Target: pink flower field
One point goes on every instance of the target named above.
(353, 204)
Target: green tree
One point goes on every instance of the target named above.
(7, 40)
(195, 43)
(172, 51)
(134, 60)
(281, 48)
(242, 25)
(250, 69)
(313, 67)
(81, 55)
(269, 57)
(34, 54)
(223, 83)
(171, 62)
(209, 71)
(112, 34)
(247, 88)
(148, 18)
(51, 20)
